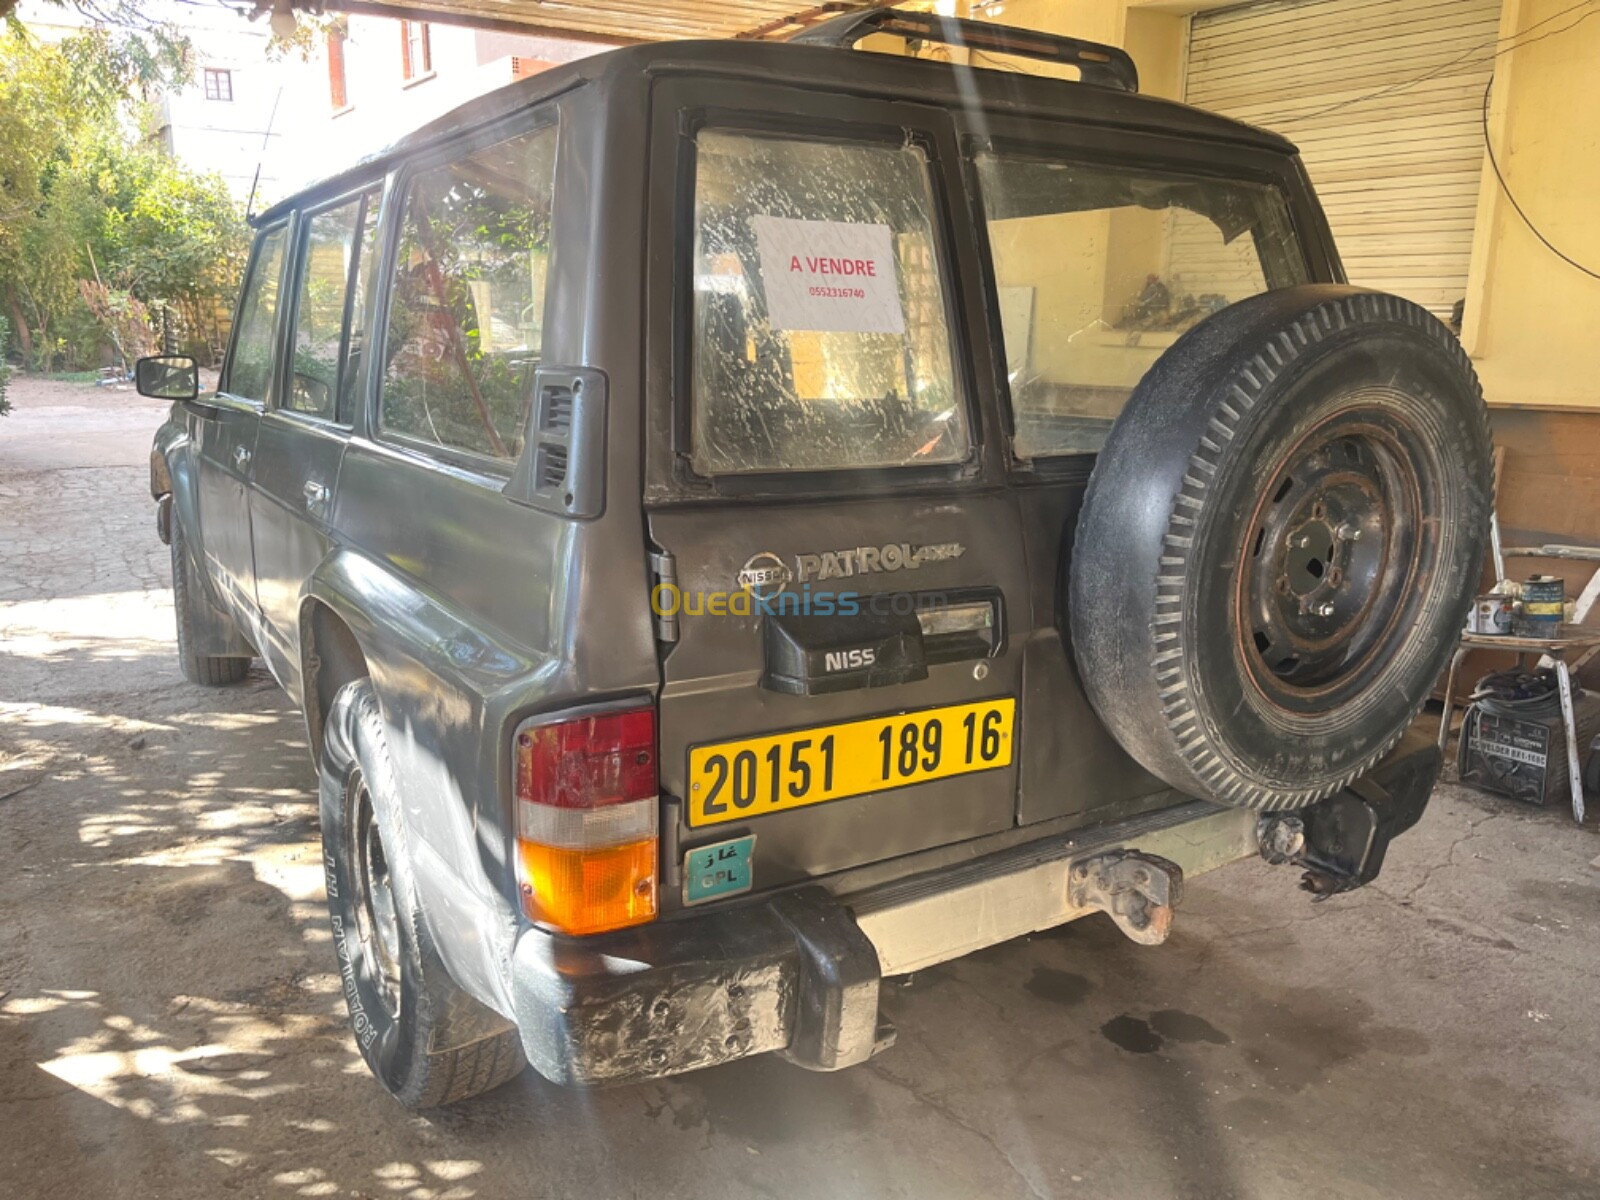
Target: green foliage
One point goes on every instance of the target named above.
(83, 198)
(5, 367)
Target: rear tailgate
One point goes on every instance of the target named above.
(816, 778)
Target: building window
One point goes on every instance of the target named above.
(219, 84)
(338, 93)
(416, 56)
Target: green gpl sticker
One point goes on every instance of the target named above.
(723, 869)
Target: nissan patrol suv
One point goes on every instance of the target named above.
(744, 520)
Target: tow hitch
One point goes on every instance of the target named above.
(1341, 842)
(1138, 891)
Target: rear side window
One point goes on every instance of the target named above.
(337, 242)
(250, 368)
(1099, 269)
(821, 332)
(466, 323)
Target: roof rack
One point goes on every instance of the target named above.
(1099, 65)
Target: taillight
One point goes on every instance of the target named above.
(586, 820)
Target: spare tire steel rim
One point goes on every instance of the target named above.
(1333, 558)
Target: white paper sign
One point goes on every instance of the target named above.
(829, 276)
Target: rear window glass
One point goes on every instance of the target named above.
(1100, 269)
(466, 326)
(821, 338)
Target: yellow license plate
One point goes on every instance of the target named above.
(734, 781)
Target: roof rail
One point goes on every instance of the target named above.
(1098, 64)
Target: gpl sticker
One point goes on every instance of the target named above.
(723, 869)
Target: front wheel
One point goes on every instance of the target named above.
(428, 1042)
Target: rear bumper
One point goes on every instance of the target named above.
(799, 972)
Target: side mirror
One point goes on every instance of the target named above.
(167, 377)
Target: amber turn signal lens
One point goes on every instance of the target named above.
(589, 890)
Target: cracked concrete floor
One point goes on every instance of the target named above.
(170, 1025)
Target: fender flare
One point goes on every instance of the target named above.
(434, 671)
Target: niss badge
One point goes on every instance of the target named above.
(711, 872)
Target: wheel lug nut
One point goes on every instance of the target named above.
(1325, 610)
(1303, 541)
(1349, 533)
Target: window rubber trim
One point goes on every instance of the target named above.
(692, 119)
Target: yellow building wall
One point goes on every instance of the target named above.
(1532, 321)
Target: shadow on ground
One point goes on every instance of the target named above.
(171, 1024)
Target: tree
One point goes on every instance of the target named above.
(84, 198)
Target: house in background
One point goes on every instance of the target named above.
(376, 79)
(230, 117)
(223, 119)
(272, 122)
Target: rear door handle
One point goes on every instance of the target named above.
(316, 495)
(241, 457)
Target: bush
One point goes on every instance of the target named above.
(120, 318)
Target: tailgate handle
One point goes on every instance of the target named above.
(815, 655)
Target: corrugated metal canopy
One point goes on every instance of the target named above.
(617, 21)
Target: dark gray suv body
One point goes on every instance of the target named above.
(511, 444)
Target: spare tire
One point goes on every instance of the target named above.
(1279, 543)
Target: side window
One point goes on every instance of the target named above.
(821, 339)
(250, 367)
(355, 340)
(337, 241)
(1099, 269)
(466, 322)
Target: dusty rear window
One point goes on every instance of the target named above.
(821, 338)
(1099, 269)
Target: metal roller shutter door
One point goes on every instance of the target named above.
(1397, 173)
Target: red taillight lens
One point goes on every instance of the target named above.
(609, 758)
(586, 820)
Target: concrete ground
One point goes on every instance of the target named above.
(171, 1024)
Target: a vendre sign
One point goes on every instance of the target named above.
(829, 276)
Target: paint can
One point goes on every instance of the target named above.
(1491, 614)
(1544, 598)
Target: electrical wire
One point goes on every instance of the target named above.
(1464, 56)
(1505, 187)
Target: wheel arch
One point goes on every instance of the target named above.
(330, 657)
(447, 690)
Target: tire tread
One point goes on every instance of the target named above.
(1171, 665)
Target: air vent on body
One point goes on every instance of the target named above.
(563, 470)
(552, 466)
(555, 410)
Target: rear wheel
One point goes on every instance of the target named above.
(427, 1041)
(1279, 544)
(192, 609)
